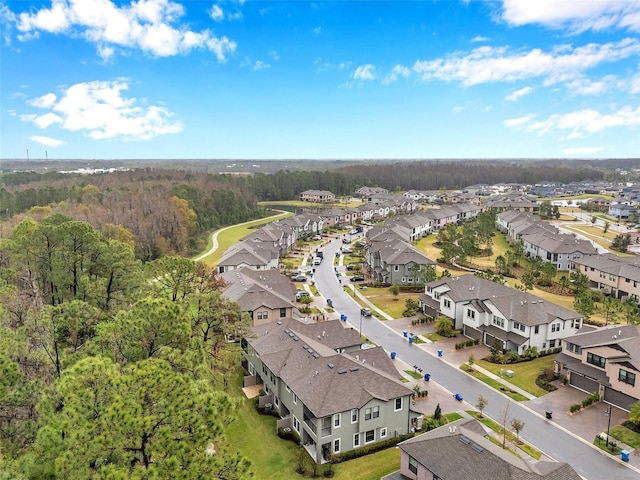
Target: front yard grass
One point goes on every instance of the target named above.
(381, 297)
(413, 374)
(452, 417)
(496, 427)
(515, 396)
(524, 373)
(624, 435)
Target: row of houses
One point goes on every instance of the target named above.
(543, 240)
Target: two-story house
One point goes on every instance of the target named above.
(396, 262)
(490, 311)
(611, 274)
(604, 360)
(317, 196)
(334, 395)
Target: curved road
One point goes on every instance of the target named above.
(548, 437)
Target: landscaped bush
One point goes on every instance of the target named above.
(591, 399)
(468, 343)
(430, 423)
(376, 447)
(289, 435)
(575, 407)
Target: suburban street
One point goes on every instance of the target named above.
(544, 434)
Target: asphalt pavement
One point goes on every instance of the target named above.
(548, 436)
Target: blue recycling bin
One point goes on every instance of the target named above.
(405, 333)
(343, 317)
(440, 352)
(458, 397)
(427, 377)
(410, 339)
(393, 355)
(624, 455)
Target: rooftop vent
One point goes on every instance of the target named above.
(354, 369)
(295, 338)
(464, 439)
(305, 346)
(315, 355)
(279, 322)
(477, 447)
(286, 330)
(342, 371)
(330, 365)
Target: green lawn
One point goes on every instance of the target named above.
(382, 299)
(624, 435)
(602, 445)
(515, 396)
(413, 374)
(453, 416)
(496, 427)
(231, 236)
(524, 373)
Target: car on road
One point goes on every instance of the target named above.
(347, 250)
(353, 232)
(352, 266)
(299, 278)
(356, 278)
(365, 312)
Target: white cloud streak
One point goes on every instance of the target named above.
(517, 94)
(397, 72)
(48, 141)
(364, 72)
(148, 25)
(99, 109)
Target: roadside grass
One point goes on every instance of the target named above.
(524, 373)
(232, 235)
(433, 337)
(383, 300)
(495, 384)
(452, 417)
(624, 435)
(496, 427)
(601, 443)
(411, 373)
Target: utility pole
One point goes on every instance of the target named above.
(608, 414)
(27, 154)
(46, 156)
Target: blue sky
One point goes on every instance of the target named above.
(301, 79)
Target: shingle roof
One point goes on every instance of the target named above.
(626, 267)
(460, 451)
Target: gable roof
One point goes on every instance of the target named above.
(460, 450)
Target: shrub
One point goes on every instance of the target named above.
(376, 447)
(575, 407)
(289, 435)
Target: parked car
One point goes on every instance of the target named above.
(317, 261)
(365, 312)
(301, 294)
(347, 250)
(352, 266)
(353, 232)
(299, 278)
(356, 278)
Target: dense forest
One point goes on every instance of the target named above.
(111, 368)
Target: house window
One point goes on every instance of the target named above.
(516, 325)
(627, 377)
(296, 425)
(596, 360)
(276, 402)
(336, 420)
(555, 327)
(295, 399)
(536, 329)
(283, 312)
(356, 440)
(498, 321)
(370, 436)
(383, 432)
(367, 414)
(336, 445)
(354, 415)
(286, 387)
(413, 465)
(447, 303)
(398, 405)
(471, 313)
(263, 315)
(552, 343)
(396, 268)
(404, 280)
(376, 412)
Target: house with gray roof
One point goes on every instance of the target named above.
(264, 295)
(334, 395)
(317, 196)
(395, 262)
(561, 249)
(604, 360)
(461, 451)
(611, 274)
(493, 312)
(512, 201)
(251, 254)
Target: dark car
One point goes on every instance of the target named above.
(299, 278)
(356, 278)
(351, 266)
(365, 312)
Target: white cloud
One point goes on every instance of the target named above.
(580, 122)
(515, 95)
(585, 86)
(216, 13)
(323, 65)
(317, 30)
(44, 101)
(501, 64)
(479, 39)
(398, 71)
(99, 109)
(364, 72)
(149, 25)
(274, 55)
(48, 141)
(517, 122)
(575, 15)
(260, 65)
(582, 150)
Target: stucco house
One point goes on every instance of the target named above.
(461, 450)
(604, 360)
(318, 196)
(395, 262)
(490, 311)
(334, 395)
(611, 274)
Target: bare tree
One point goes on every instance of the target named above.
(481, 404)
(517, 425)
(504, 419)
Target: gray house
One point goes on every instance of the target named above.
(396, 262)
(334, 395)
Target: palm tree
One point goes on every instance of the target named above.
(444, 326)
(634, 413)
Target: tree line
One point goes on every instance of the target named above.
(111, 367)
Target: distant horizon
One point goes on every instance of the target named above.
(283, 80)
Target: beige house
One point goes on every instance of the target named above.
(318, 196)
(613, 275)
(604, 360)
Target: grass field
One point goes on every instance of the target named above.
(495, 384)
(382, 299)
(232, 235)
(624, 435)
(524, 373)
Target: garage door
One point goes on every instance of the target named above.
(472, 332)
(618, 399)
(489, 340)
(583, 383)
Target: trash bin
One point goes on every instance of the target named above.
(405, 333)
(549, 414)
(343, 317)
(624, 455)
(410, 339)
(458, 397)
(427, 377)
(440, 352)
(393, 355)
(329, 302)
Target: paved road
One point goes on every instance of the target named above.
(548, 437)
